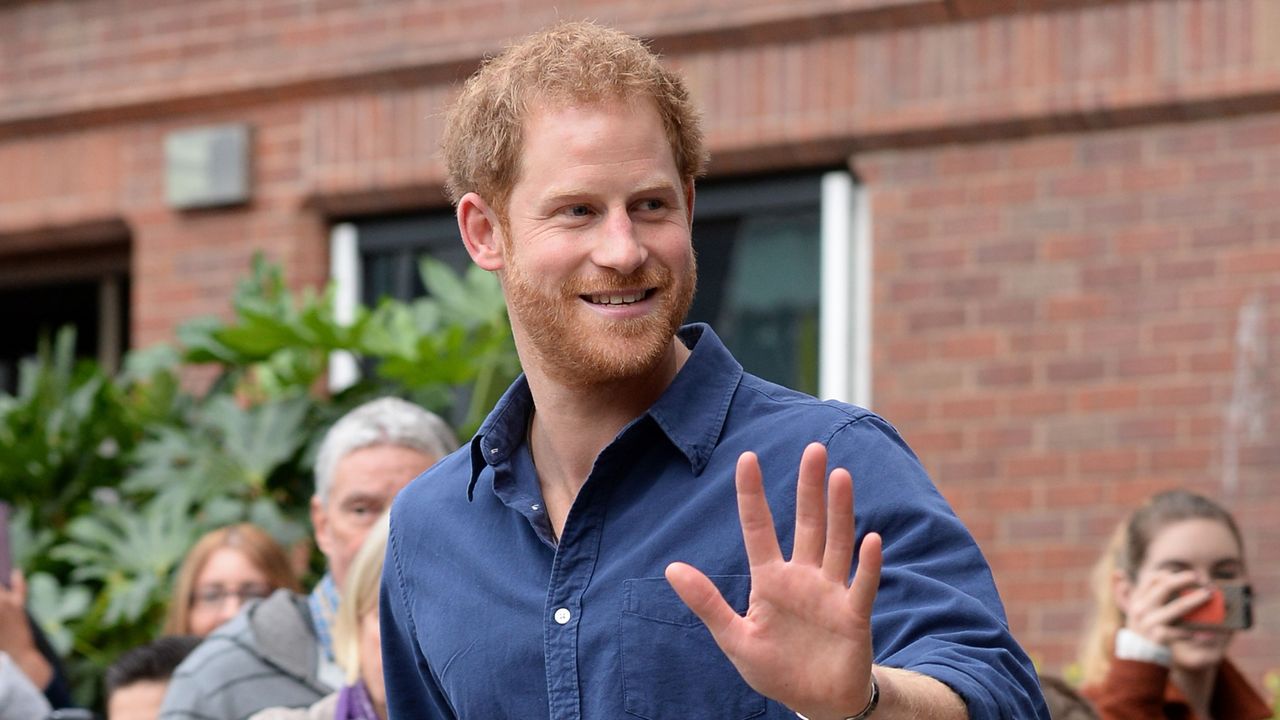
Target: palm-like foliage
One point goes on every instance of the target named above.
(113, 478)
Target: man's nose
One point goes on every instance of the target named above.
(619, 247)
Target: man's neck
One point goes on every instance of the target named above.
(572, 424)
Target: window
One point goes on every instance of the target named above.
(40, 292)
(781, 275)
(758, 246)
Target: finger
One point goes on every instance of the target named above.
(1155, 592)
(811, 518)
(19, 585)
(758, 533)
(866, 581)
(1181, 605)
(838, 557)
(703, 598)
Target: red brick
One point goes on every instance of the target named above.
(1147, 429)
(1186, 332)
(1113, 212)
(966, 470)
(1108, 398)
(1108, 461)
(1000, 438)
(1037, 404)
(1082, 307)
(971, 287)
(1126, 149)
(1247, 263)
(933, 319)
(1037, 527)
(1042, 154)
(1013, 251)
(1039, 465)
(1084, 183)
(1187, 269)
(1146, 365)
(1071, 495)
(1223, 171)
(946, 258)
(1185, 459)
(1004, 375)
(927, 443)
(1103, 276)
(1212, 362)
(1240, 233)
(968, 408)
(1012, 312)
(1143, 241)
(1035, 342)
(1263, 134)
(1063, 247)
(1074, 370)
(978, 345)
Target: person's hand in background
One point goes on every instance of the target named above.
(15, 632)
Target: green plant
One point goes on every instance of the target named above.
(113, 478)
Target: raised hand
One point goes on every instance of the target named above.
(805, 640)
(1150, 612)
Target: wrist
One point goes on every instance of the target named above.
(873, 700)
(1132, 646)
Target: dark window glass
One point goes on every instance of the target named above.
(757, 243)
(37, 299)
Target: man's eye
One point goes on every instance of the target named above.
(652, 204)
(578, 211)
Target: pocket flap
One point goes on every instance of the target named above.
(655, 599)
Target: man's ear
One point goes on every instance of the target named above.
(688, 201)
(320, 524)
(481, 231)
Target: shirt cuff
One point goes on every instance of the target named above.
(1132, 646)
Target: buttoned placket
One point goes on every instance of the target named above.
(571, 571)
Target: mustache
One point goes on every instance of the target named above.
(610, 281)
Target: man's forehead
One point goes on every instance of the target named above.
(374, 469)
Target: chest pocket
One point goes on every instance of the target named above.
(672, 669)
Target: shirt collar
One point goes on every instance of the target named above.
(690, 412)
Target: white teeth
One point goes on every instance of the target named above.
(617, 299)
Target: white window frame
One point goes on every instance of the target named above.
(844, 309)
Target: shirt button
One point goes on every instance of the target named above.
(562, 615)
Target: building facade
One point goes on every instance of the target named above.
(1041, 237)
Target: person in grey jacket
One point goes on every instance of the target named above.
(277, 652)
(19, 698)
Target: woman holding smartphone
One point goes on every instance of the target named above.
(1170, 592)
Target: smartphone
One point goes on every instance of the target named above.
(1229, 607)
(6, 554)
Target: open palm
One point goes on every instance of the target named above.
(805, 640)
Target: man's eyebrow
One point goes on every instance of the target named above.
(361, 497)
(561, 194)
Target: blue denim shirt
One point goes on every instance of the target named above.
(485, 615)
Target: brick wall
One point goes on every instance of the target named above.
(1064, 325)
(1074, 206)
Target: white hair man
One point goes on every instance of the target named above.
(278, 652)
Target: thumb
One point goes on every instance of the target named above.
(703, 598)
